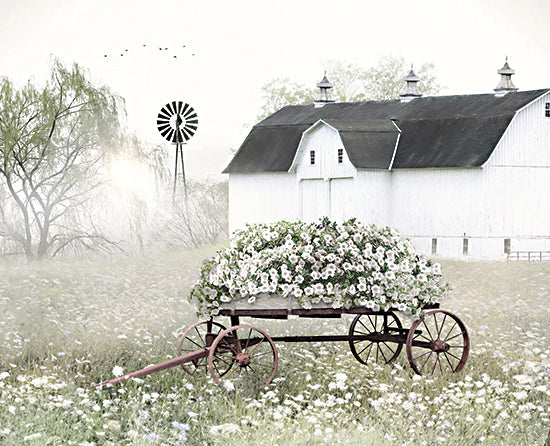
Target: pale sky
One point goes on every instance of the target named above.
(238, 46)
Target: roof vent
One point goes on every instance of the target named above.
(505, 85)
(325, 95)
(411, 90)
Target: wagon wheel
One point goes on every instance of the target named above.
(372, 324)
(249, 350)
(438, 342)
(198, 336)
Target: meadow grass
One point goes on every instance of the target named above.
(66, 324)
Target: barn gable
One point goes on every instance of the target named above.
(322, 154)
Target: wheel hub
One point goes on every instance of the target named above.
(440, 346)
(243, 359)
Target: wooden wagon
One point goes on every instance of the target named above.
(436, 343)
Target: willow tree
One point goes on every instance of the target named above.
(54, 143)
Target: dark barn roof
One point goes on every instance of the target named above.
(439, 131)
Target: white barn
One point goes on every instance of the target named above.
(461, 176)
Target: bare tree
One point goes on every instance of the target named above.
(201, 220)
(54, 143)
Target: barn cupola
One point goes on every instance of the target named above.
(505, 85)
(325, 95)
(411, 90)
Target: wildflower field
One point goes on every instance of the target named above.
(65, 325)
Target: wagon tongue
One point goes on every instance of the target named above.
(188, 357)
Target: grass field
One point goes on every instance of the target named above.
(65, 325)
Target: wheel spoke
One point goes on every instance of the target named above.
(255, 373)
(370, 351)
(423, 354)
(426, 361)
(200, 336)
(256, 346)
(364, 326)
(425, 325)
(369, 345)
(248, 339)
(441, 328)
(450, 331)
(440, 367)
(427, 339)
(196, 343)
(456, 357)
(219, 358)
(261, 354)
(436, 327)
(447, 358)
(455, 336)
(261, 365)
(382, 353)
(389, 347)
(230, 372)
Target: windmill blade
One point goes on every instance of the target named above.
(190, 114)
(177, 121)
(165, 132)
(175, 107)
(170, 110)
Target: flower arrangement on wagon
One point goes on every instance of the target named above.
(324, 263)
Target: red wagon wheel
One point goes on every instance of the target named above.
(374, 324)
(243, 356)
(198, 336)
(438, 342)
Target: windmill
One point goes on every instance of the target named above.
(177, 122)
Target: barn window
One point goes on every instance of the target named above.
(340, 156)
(434, 246)
(507, 246)
(312, 157)
(547, 109)
(465, 246)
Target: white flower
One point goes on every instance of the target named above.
(118, 371)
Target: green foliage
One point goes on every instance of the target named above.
(352, 83)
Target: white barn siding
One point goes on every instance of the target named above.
(314, 199)
(518, 173)
(342, 199)
(262, 197)
(372, 197)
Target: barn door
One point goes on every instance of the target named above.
(314, 198)
(341, 199)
